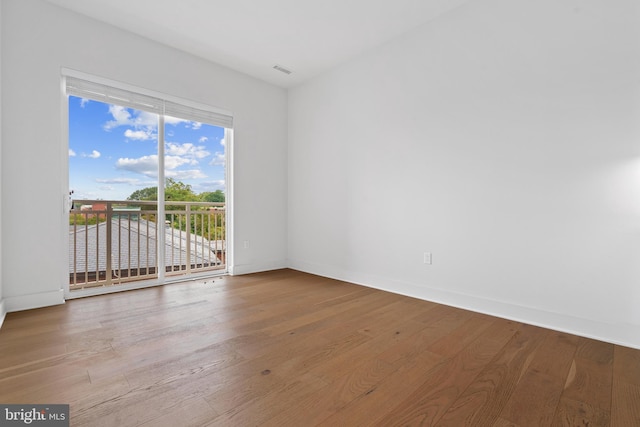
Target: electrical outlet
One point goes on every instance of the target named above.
(245, 244)
(427, 258)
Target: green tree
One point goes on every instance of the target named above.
(179, 191)
(173, 190)
(84, 219)
(149, 193)
(212, 196)
(204, 222)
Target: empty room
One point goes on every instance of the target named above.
(376, 213)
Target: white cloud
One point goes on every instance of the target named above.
(148, 166)
(219, 159)
(223, 142)
(83, 102)
(203, 139)
(137, 119)
(144, 118)
(173, 120)
(187, 149)
(188, 123)
(86, 195)
(142, 135)
(72, 153)
(121, 117)
(145, 165)
(185, 174)
(128, 181)
(173, 162)
(94, 154)
(107, 188)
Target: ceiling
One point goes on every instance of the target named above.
(307, 37)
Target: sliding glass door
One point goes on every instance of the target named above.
(147, 188)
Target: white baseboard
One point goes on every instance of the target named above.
(27, 302)
(3, 312)
(622, 334)
(236, 270)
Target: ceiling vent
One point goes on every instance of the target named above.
(282, 69)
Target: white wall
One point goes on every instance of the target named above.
(2, 306)
(504, 138)
(40, 39)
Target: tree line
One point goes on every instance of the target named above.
(174, 190)
(210, 225)
(178, 191)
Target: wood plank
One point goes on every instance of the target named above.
(501, 422)
(534, 401)
(483, 401)
(288, 348)
(626, 364)
(193, 414)
(591, 374)
(625, 403)
(576, 413)
(427, 404)
(535, 398)
(374, 404)
(456, 340)
(586, 399)
(342, 365)
(286, 394)
(439, 322)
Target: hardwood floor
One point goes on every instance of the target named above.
(285, 348)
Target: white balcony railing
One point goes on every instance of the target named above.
(112, 242)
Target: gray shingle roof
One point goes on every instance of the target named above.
(135, 246)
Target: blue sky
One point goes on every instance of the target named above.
(113, 151)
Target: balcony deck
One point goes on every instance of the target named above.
(112, 242)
